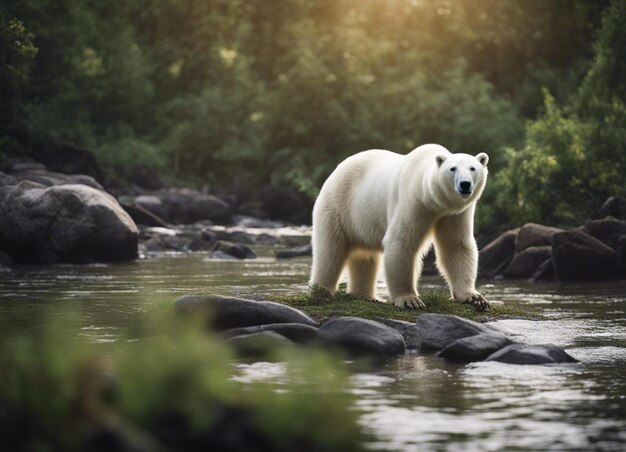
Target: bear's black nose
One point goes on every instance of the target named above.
(465, 186)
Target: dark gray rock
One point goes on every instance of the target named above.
(142, 216)
(532, 354)
(361, 337)
(533, 235)
(234, 249)
(297, 332)
(234, 236)
(163, 243)
(258, 345)
(6, 179)
(615, 206)
(5, 260)
(256, 223)
(185, 206)
(66, 223)
(152, 204)
(224, 313)
(437, 331)
(526, 262)
(544, 272)
(282, 203)
(607, 230)
(475, 348)
(495, 257)
(409, 331)
(305, 250)
(577, 256)
(50, 179)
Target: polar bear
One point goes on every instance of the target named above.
(379, 202)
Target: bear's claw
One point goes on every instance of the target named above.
(478, 300)
(409, 301)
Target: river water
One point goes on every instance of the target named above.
(411, 403)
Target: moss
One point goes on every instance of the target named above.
(321, 305)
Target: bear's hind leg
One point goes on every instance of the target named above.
(329, 258)
(363, 269)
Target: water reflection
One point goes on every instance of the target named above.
(412, 403)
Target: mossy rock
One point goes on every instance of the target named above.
(321, 305)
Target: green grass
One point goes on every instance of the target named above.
(320, 305)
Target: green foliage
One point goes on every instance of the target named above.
(225, 89)
(574, 157)
(57, 388)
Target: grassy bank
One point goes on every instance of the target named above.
(321, 306)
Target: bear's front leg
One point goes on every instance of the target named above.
(402, 270)
(457, 257)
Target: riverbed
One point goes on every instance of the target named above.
(414, 402)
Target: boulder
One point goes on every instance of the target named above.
(544, 272)
(305, 250)
(185, 206)
(531, 354)
(577, 256)
(50, 179)
(534, 235)
(297, 332)
(615, 206)
(409, 331)
(152, 204)
(259, 345)
(5, 261)
(526, 262)
(142, 216)
(224, 313)
(65, 223)
(6, 179)
(68, 159)
(607, 230)
(494, 258)
(475, 348)
(282, 203)
(437, 331)
(361, 337)
(234, 249)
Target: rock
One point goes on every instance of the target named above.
(297, 332)
(494, 258)
(532, 354)
(6, 179)
(50, 179)
(281, 203)
(361, 337)
(475, 348)
(221, 256)
(615, 206)
(145, 177)
(152, 204)
(577, 256)
(68, 159)
(260, 345)
(143, 216)
(234, 249)
(607, 230)
(526, 262)
(162, 243)
(19, 167)
(186, 206)
(5, 261)
(534, 235)
(224, 313)
(234, 236)
(256, 223)
(409, 331)
(437, 331)
(305, 250)
(544, 272)
(66, 223)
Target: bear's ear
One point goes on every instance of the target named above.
(483, 158)
(440, 159)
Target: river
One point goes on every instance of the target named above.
(412, 403)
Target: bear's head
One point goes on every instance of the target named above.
(465, 174)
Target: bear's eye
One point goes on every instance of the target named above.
(453, 169)
(472, 169)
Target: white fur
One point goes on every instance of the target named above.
(379, 202)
